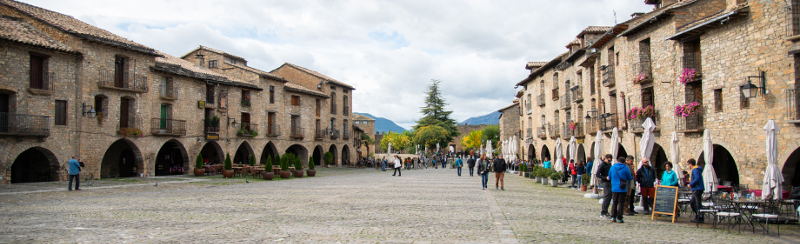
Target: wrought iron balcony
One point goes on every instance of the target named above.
(643, 72)
(133, 129)
(131, 82)
(577, 93)
(167, 127)
(273, 130)
(636, 124)
(566, 101)
(608, 75)
(578, 131)
(24, 125)
(320, 134)
(247, 130)
(346, 134)
(555, 94)
(43, 86)
(691, 64)
(297, 133)
(211, 126)
(566, 132)
(692, 123)
(334, 134)
(793, 105)
(554, 130)
(608, 121)
(541, 132)
(540, 100)
(591, 126)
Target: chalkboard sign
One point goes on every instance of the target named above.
(666, 201)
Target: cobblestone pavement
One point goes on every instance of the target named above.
(337, 206)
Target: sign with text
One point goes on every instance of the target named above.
(201, 104)
(666, 201)
(212, 136)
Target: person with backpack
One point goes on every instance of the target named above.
(459, 164)
(483, 170)
(499, 166)
(619, 175)
(471, 164)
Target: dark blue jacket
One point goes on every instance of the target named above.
(646, 176)
(619, 172)
(580, 170)
(589, 167)
(697, 180)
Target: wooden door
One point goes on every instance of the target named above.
(37, 72)
(123, 113)
(119, 72)
(270, 123)
(4, 110)
(246, 121)
(163, 124)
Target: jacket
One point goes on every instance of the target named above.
(580, 170)
(697, 180)
(619, 172)
(602, 171)
(572, 169)
(459, 163)
(74, 167)
(646, 176)
(482, 166)
(669, 178)
(546, 164)
(471, 162)
(397, 163)
(589, 167)
(499, 165)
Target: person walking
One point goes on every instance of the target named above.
(646, 177)
(398, 164)
(471, 164)
(605, 183)
(483, 171)
(629, 210)
(697, 191)
(619, 175)
(572, 172)
(435, 166)
(459, 164)
(74, 173)
(444, 162)
(500, 167)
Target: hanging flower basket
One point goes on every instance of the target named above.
(688, 75)
(687, 110)
(641, 77)
(637, 112)
(572, 125)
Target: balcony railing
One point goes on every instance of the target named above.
(691, 63)
(346, 134)
(643, 72)
(247, 130)
(555, 94)
(24, 125)
(577, 93)
(273, 130)
(319, 134)
(528, 133)
(608, 75)
(793, 105)
(541, 132)
(591, 126)
(692, 123)
(167, 127)
(636, 124)
(130, 82)
(211, 126)
(45, 87)
(566, 101)
(608, 121)
(528, 107)
(346, 110)
(132, 129)
(540, 100)
(246, 103)
(297, 133)
(566, 132)
(168, 92)
(334, 134)
(554, 130)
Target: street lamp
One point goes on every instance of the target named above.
(750, 90)
(91, 111)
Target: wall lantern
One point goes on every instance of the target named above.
(750, 90)
(91, 111)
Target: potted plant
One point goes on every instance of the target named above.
(545, 174)
(298, 168)
(554, 176)
(285, 174)
(311, 172)
(252, 160)
(327, 158)
(522, 170)
(268, 174)
(228, 171)
(198, 166)
(584, 181)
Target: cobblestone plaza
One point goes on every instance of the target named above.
(337, 206)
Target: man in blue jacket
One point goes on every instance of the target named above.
(459, 163)
(697, 190)
(619, 175)
(74, 173)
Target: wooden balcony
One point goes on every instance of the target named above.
(541, 132)
(577, 94)
(24, 125)
(555, 94)
(566, 101)
(167, 127)
(692, 123)
(554, 130)
(643, 72)
(540, 100)
(608, 75)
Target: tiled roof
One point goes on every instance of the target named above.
(76, 27)
(302, 89)
(507, 107)
(171, 64)
(363, 117)
(17, 31)
(317, 74)
(650, 18)
(201, 47)
(707, 21)
(260, 72)
(540, 70)
(594, 30)
(531, 65)
(574, 42)
(172, 60)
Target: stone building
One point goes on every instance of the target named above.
(69, 88)
(702, 51)
(463, 131)
(367, 125)
(510, 123)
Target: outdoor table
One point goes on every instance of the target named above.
(724, 188)
(256, 171)
(237, 170)
(747, 208)
(758, 193)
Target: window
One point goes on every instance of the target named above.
(61, 112)
(296, 125)
(200, 59)
(166, 114)
(230, 60)
(295, 100)
(167, 88)
(209, 93)
(795, 17)
(345, 106)
(555, 81)
(647, 97)
(717, 100)
(333, 103)
(271, 94)
(120, 71)
(101, 105)
(319, 105)
(212, 63)
(245, 98)
(245, 121)
(38, 72)
(644, 66)
(591, 80)
(692, 59)
(271, 129)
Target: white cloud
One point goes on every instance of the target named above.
(388, 50)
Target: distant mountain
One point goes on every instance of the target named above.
(492, 118)
(384, 125)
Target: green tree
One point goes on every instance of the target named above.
(434, 115)
(491, 132)
(252, 160)
(228, 165)
(473, 140)
(198, 163)
(327, 158)
(366, 140)
(430, 135)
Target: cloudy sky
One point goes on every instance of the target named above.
(388, 50)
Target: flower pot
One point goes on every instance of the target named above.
(538, 179)
(268, 175)
(227, 173)
(199, 172)
(527, 175)
(553, 183)
(311, 173)
(298, 174)
(285, 174)
(544, 180)
(520, 173)
(583, 187)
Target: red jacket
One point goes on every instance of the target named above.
(572, 169)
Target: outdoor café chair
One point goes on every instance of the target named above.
(768, 214)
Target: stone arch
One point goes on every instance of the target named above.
(790, 168)
(345, 155)
(243, 154)
(658, 159)
(545, 153)
(317, 155)
(36, 164)
(212, 153)
(591, 151)
(621, 152)
(789, 152)
(531, 152)
(724, 165)
(299, 151)
(580, 155)
(172, 159)
(122, 159)
(333, 151)
(270, 151)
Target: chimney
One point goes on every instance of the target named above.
(636, 15)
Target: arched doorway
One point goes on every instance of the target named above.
(122, 159)
(621, 152)
(299, 151)
(212, 153)
(345, 155)
(172, 159)
(724, 165)
(546, 153)
(658, 159)
(580, 156)
(317, 155)
(36, 164)
(791, 169)
(531, 153)
(333, 152)
(243, 154)
(269, 152)
(591, 152)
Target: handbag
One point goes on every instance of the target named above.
(622, 184)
